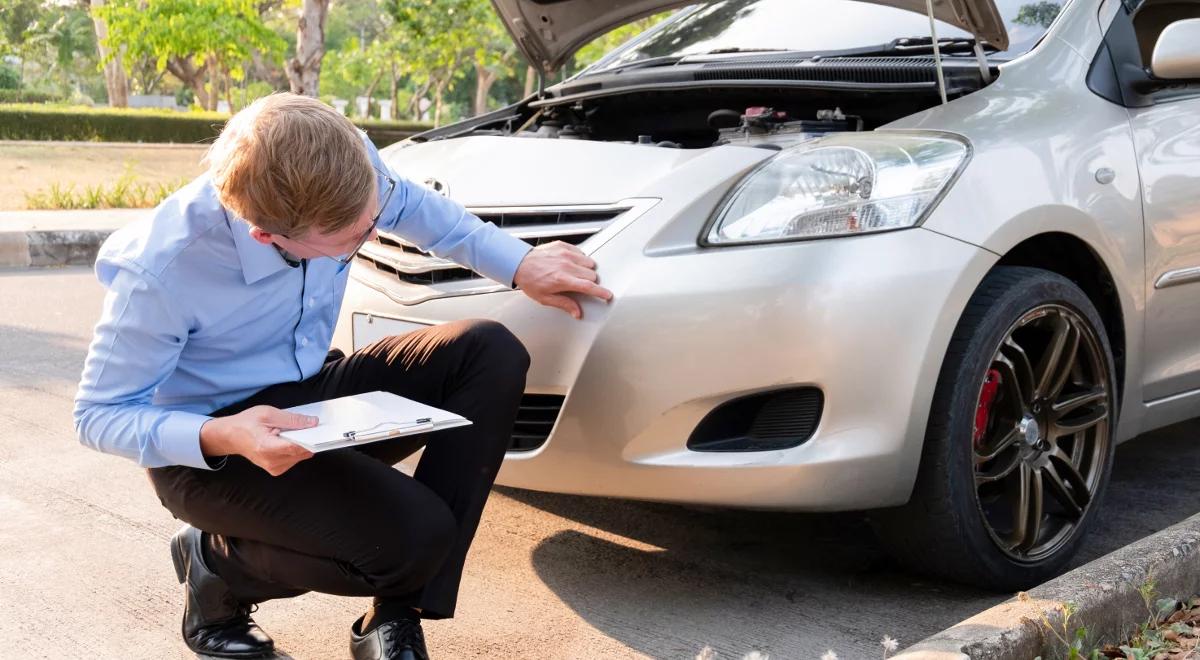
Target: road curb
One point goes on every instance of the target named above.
(1104, 593)
(24, 249)
(58, 238)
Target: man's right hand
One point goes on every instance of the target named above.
(254, 433)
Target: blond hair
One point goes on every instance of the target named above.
(289, 164)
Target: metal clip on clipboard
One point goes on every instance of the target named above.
(366, 435)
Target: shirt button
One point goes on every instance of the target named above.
(312, 301)
(304, 341)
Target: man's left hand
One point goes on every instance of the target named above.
(551, 270)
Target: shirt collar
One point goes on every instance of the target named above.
(258, 261)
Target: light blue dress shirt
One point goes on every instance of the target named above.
(199, 315)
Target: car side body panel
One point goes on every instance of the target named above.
(1041, 139)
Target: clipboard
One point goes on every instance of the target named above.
(365, 418)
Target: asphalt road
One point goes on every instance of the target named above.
(85, 570)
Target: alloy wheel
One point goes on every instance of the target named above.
(1042, 432)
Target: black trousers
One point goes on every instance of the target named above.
(345, 521)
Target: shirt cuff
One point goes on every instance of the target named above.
(179, 441)
(502, 256)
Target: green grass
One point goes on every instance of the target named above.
(124, 193)
(1171, 632)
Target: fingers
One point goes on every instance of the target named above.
(565, 304)
(586, 287)
(581, 272)
(282, 419)
(279, 455)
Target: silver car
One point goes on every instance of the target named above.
(863, 258)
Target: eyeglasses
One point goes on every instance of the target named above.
(382, 181)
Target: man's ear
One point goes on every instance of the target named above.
(264, 237)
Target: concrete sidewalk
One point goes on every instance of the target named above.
(58, 238)
(1103, 592)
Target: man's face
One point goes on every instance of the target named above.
(337, 244)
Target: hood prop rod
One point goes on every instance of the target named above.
(984, 70)
(937, 51)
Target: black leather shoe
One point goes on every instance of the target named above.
(214, 622)
(401, 639)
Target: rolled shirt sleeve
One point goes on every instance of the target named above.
(442, 227)
(136, 345)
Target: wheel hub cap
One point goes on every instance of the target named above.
(1030, 431)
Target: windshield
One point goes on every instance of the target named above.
(812, 26)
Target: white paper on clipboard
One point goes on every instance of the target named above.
(365, 418)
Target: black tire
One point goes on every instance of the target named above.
(949, 527)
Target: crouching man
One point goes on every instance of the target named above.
(220, 312)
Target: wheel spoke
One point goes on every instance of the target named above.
(1000, 472)
(1077, 401)
(1066, 496)
(1027, 514)
(1012, 385)
(1021, 367)
(1066, 362)
(1053, 358)
(1004, 443)
(1064, 474)
(1079, 422)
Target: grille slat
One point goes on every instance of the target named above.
(393, 255)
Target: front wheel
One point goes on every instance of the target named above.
(1019, 443)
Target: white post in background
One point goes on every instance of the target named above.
(362, 104)
(340, 105)
(423, 106)
(222, 106)
(385, 110)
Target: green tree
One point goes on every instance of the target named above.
(206, 44)
(18, 19)
(61, 46)
(1039, 13)
(601, 45)
(440, 38)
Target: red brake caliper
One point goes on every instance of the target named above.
(986, 396)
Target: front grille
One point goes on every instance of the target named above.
(394, 256)
(535, 418)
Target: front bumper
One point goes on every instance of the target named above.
(865, 319)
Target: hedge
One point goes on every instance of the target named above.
(38, 122)
(25, 96)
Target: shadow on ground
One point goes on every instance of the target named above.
(667, 579)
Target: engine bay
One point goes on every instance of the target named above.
(713, 105)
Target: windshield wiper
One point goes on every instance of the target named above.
(671, 60)
(924, 46)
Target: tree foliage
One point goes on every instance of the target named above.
(194, 38)
(434, 59)
(1041, 14)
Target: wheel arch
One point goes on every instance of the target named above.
(1072, 257)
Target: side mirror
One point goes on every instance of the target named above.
(1177, 53)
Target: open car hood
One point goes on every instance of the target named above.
(549, 31)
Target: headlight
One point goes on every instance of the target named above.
(843, 184)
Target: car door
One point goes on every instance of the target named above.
(1167, 141)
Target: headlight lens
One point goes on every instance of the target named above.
(843, 184)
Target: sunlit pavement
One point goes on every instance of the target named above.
(85, 571)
